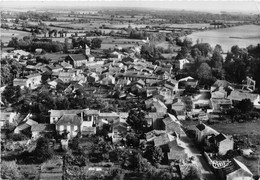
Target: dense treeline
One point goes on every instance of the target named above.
(210, 65)
(29, 44)
(175, 16)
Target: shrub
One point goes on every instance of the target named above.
(17, 137)
(9, 170)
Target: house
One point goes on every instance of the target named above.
(108, 80)
(137, 86)
(219, 93)
(218, 105)
(172, 125)
(236, 96)
(233, 170)
(89, 121)
(179, 107)
(92, 77)
(31, 81)
(220, 83)
(42, 129)
(188, 82)
(201, 100)
(119, 129)
(182, 63)
(223, 143)
(70, 124)
(7, 118)
(163, 140)
(74, 121)
(177, 151)
(154, 119)
(25, 125)
(66, 65)
(159, 106)
(55, 67)
(151, 135)
(77, 60)
(202, 131)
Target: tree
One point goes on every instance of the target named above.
(12, 94)
(216, 60)
(96, 43)
(66, 46)
(43, 151)
(153, 154)
(235, 50)
(204, 48)
(136, 120)
(245, 105)
(204, 71)
(195, 52)
(13, 43)
(132, 140)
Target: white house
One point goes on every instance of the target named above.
(182, 63)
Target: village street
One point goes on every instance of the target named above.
(191, 150)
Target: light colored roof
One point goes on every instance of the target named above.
(242, 166)
(163, 139)
(33, 75)
(239, 96)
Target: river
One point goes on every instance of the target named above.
(243, 36)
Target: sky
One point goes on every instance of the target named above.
(248, 6)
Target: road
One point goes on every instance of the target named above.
(191, 150)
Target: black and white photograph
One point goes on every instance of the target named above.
(130, 90)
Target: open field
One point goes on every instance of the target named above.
(111, 42)
(6, 35)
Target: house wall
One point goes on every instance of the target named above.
(239, 175)
(225, 146)
(53, 119)
(33, 82)
(70, 128)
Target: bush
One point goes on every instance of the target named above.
(9, 170)
(17, 137)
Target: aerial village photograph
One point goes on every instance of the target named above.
(130, 90)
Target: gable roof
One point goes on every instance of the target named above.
(43, 127)
(163, 139)
(69, 119)
(78, 57)
(220, 137)
(201, 127)
(222, 83)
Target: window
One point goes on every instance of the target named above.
(61, 127)
(68, 128)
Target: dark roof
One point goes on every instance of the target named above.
(200, 127)
(78, 57)
(233, 166)
(220, 137)
(43, 127)
(69, 119)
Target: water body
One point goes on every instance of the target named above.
(243, 36)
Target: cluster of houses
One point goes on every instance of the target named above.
(133, 77)
(216, 146)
